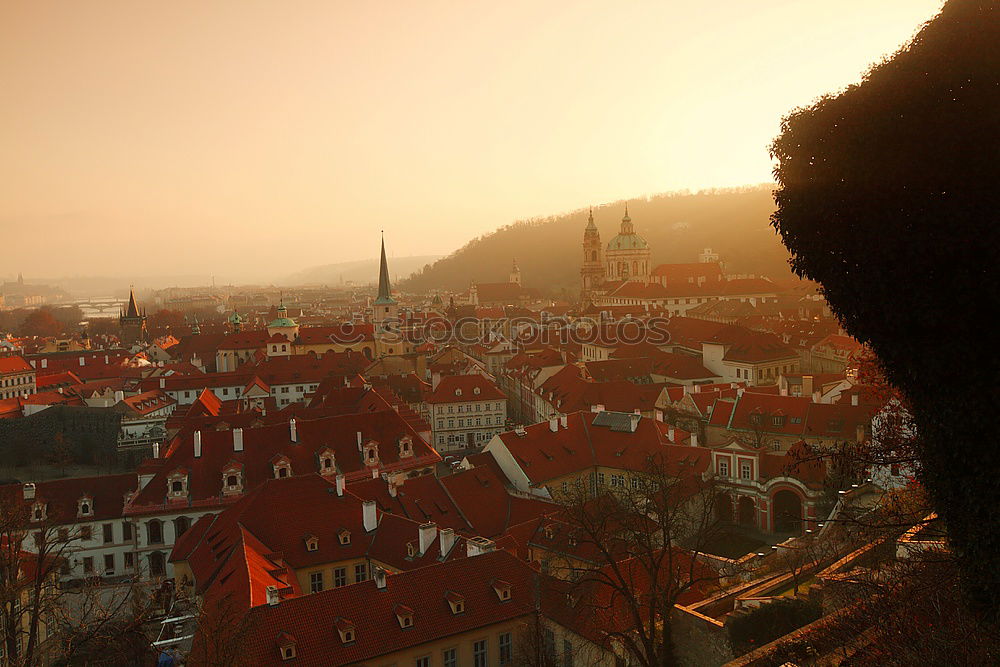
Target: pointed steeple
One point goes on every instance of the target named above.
(384, 289)
(590, 221)
(133, 309)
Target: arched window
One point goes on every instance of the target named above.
(154, 531)
(181, 524)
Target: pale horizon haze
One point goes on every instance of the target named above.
(252, 139)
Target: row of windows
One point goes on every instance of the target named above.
(468, 407)
(746, 469)
(14, 393)
(128, 562)
(338, 577)
(20, 379)
(480, 653)
(462, 423)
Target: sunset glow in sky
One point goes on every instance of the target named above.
(250, 139)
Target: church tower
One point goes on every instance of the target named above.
(592, 270)
(515, 274)
(384, 307)
(132, 322)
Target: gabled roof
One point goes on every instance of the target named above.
(465, 388)
(61, 495)
(371, 612)
(612, 440)
(264, 442)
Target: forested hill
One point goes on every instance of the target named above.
(733, 222)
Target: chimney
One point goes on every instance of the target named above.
(273, 597)
(670, 433)
(292, 433)
(237, 440)
(379, 576)
(106, 360)
(163, 383)
(597, 408)
(447, 536)
(553, 424)
(340, 485)
(369, 515)
(83, 361)
(197, 444)
(45, 363)
(635, 421)
(854, 399)
(392, 486)
(156, 450)
(807, 385)
(427, 532)
(29, 491)
(359, 441)
(694, 439)
(374, 473)
(564, 421)
(119, 396)
(479, 545)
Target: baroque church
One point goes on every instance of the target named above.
(627, 258)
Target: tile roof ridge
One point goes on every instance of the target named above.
(457, 506)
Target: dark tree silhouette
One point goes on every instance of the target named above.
(888, 197)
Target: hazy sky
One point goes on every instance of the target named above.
(247, 138)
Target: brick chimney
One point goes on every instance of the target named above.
(197, 444)
(340, 485)
(237, 440)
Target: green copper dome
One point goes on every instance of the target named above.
(282, 322)
(628, 242)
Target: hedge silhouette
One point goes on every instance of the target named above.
(888, 196)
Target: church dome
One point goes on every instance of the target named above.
(628, 242)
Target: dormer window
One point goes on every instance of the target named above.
(85, 506)
(346, 630)
(404, 615)
(410, 549)
(232, 480)
(405, 447)
(327, 463)
(177, 484)
(475, 391)
(38, 511)
(370, 453)
(502, 589)
(456, 602)
(458, 392)
(312, 543)
(345, 537)
(282, 467)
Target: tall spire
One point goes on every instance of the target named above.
(590, 220)
(384, 289)
(133, 309)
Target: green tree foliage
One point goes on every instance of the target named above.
(888, 197)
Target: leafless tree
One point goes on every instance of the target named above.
(635, 551)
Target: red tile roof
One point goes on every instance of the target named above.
(61, 495)
(465, 388)
(14, 364)
(263, 443)
(544, 455)
(371, 612)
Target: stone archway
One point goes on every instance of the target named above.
(747, 511)
(787, 510)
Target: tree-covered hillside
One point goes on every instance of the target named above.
(678, 226)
